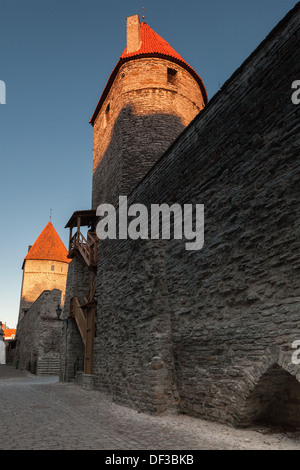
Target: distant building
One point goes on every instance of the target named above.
(9, 334)
(10, 342)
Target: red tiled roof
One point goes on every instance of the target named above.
(151, 42)
(152, 45)
(8, 332)
(48, 246)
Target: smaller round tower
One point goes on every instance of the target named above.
(150, 97)
(45, 267)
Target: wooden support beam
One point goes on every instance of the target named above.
(78, 224)
(85, 319)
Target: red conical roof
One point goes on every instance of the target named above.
(48, 246)
(152, 45)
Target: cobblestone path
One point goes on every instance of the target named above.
(40, 413)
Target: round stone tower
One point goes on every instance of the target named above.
(150, 97)
(45, 267)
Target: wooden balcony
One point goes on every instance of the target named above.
(86, 247)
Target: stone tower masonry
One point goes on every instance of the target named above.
(150, 97)
(45, 267)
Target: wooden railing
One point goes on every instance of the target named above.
(87, 247)
(92, 241)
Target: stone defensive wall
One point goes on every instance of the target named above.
(39, 336)
(210, 332)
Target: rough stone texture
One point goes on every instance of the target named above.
(196, 331)
(133, 357)
(146, 113)
(39, 336)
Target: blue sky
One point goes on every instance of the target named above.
(55, 58)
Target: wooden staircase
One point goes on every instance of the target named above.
(85, 318)
(87, 248)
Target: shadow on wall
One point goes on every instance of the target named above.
(137, 142)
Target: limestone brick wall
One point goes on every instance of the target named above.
(39, 333)
(142, 114)
(197, 331)
(39, 275)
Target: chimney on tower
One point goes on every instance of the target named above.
(133, 33)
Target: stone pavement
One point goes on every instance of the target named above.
(41, 413)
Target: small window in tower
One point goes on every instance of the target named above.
(52, 268)
(172, 76)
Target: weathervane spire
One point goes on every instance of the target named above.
(143, 13)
